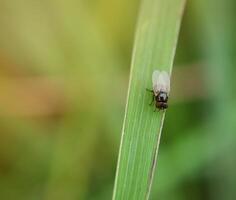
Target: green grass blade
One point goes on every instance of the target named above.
(154, 48)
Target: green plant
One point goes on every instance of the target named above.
(154, 48)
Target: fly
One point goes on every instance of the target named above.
(160, 89)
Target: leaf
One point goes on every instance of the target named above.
(154, 48)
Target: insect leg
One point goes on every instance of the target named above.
(153, 98)
(149, 90)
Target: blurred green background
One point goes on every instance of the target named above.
(64, 69)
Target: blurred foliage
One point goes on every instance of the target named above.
(64, 69)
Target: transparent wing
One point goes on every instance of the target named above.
(155, 77)
(163, 82)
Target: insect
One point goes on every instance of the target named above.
(161, 89)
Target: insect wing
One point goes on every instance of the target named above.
(155, 77)
(163, 82)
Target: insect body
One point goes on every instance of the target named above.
(161, 89)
